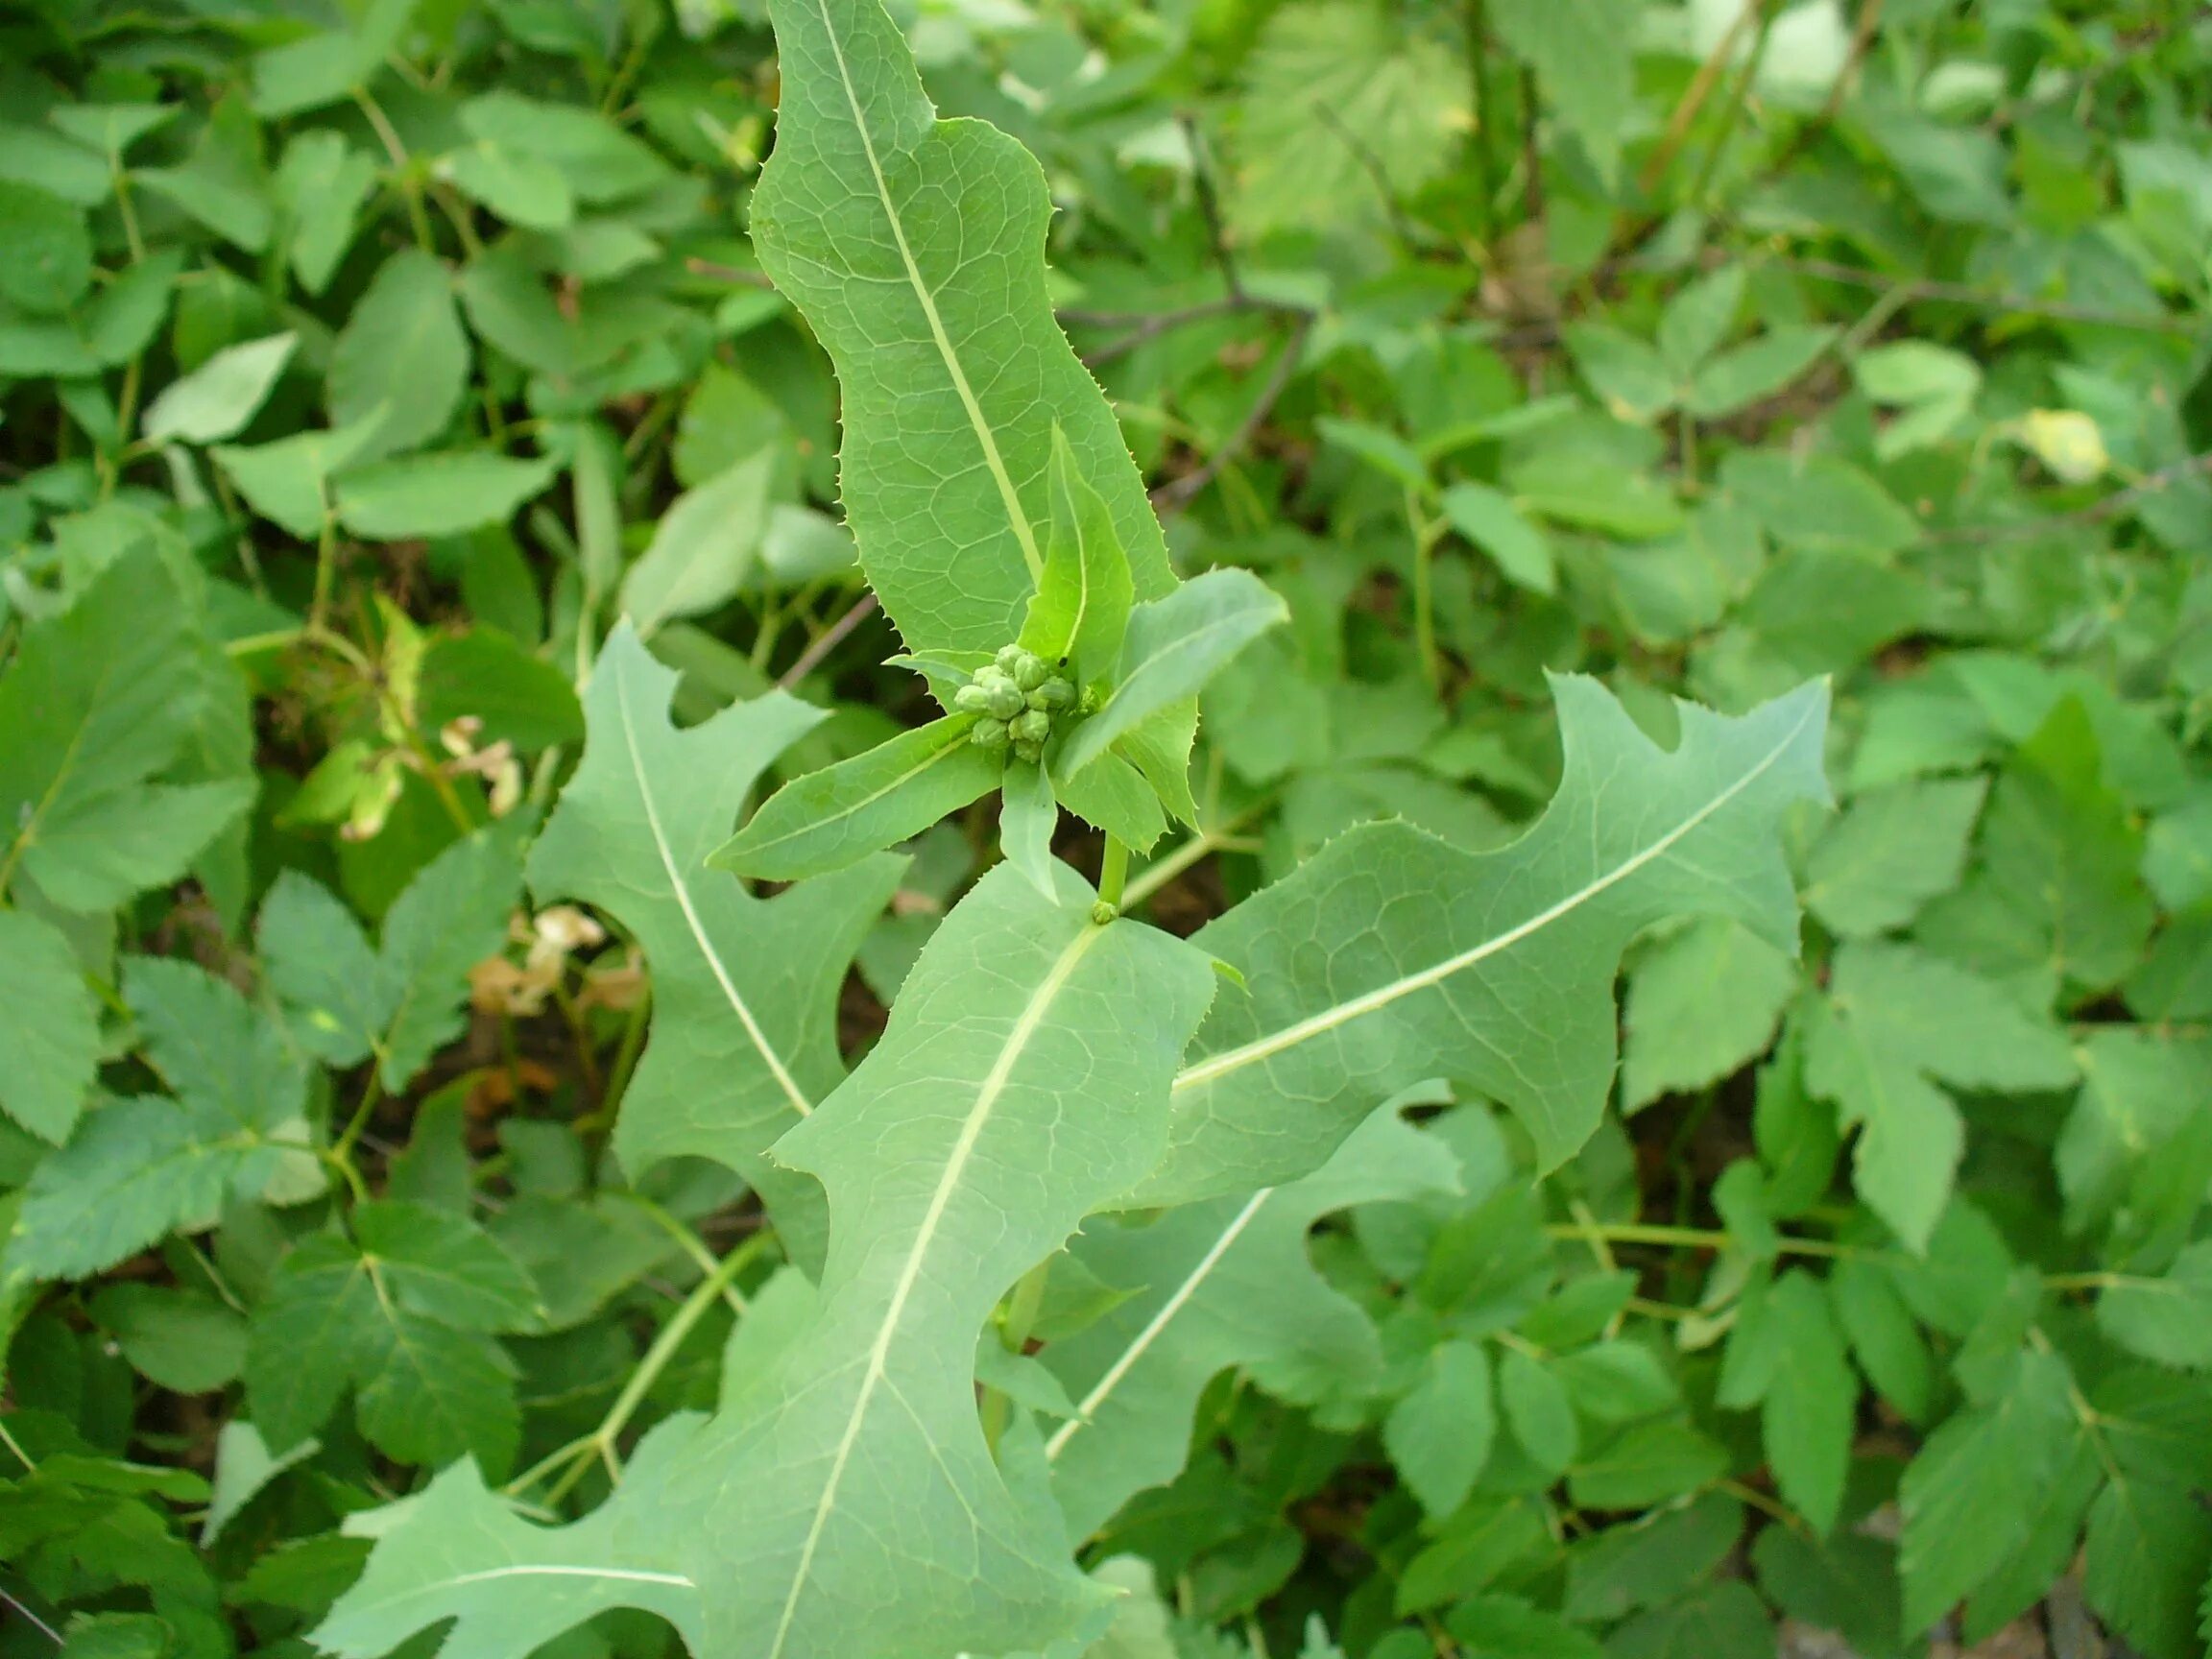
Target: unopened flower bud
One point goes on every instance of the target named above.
(971, 700)
(1054, 693)
(1031, 726)
(989, 734)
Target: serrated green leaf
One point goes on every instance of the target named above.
(1701, 1004)
(1646, 1464)
(450, 917)
(1538, 1411)
(1439, 1433)
(1744, 374)
(1621, 1570)
(521, 188)
(2148, 1550)
(49, 1027)
(1810, 1404)
(1725, 1621)
(1968, 1497)
(397, 1312)
(98, 702)
(50, 251)
(1583, 52)
(180, 1340)
(912, 246)
(837, 816)
(1227, 1282)
(742, 1042)
(1418, 987)
(1895, 1020)
(2168, 1318)
(287, 480)
(1171, 648)
(1507, 1627)
(1700, 317)
(1027, 816)
(1630, 379)
(1890, 852)
(138, 1168)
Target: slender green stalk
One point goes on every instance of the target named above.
(1113, 875)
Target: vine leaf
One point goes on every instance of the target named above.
(1222, 1283)
(914, 247)
(743, 1038)
(1495, 969)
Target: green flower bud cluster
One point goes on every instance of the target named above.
(1017, 693)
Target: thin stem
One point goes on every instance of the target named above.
(1738, 98)
(1474, 17)
(359, 1121)
(1113, 874)
(827, 641)
(687, 1241)
(1697, 1238)
(1166, 868)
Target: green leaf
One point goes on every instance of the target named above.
(287, 480)
(1701, 1004)
(1700, 318)
(704, 547)
(1507, 1627)
(322, 185)
(325, 67)
(182, 1340)
(1890, 853)
(2147, 1551)
(1645, 1464)
(1894, 1020)
(49, 262)
(1080, 611)
(217, 399)
(1496, 968)
(1744, 374)
(1172, 647)
(402, 357)
(1439, 1434)
(100, 702)
(1725, 1621)
(1225, 1281)
(913, 247)
(1819, 504)
(832, 817)
(2139, 1087)
(49, 1027)
(521, 188)
(599, 162)
(1811, 1402)
(1621, 1570)
(1488, 519)
(457, 1551)
(1630, 379)
(1970, 1497)
(1583, 52)
(1027, 816)
(2168, 1318)
(449, 917)
(513, 696)
(437, 495)
(1537, 1408)
(743, 1037)
(138, 1168)
(399, 1313)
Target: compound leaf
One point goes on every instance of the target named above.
(49, 1029)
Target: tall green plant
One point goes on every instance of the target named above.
(1047, 1060)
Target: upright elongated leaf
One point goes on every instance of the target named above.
(1022, 1082)
(49, 1030)
(1173, 646)
(743, 1038)
(832, 817)
(1222, 1283)
(1081, 607)
(915, 248)
(1493, 968)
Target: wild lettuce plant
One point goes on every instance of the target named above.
(921, 1419)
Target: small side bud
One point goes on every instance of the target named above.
(989, 734)
(1031, 726)
(1029, 752)
(1029, 671)
(971, 700)
(1009, 656)
(1054, 693)
(1003, 699)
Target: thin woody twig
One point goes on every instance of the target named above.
(1178, 493)
(827, 641)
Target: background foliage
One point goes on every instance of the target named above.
(360, 366)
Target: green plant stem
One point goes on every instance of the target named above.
(1113, 874)
(685, 1240)
(1696, 1239)
(578, 1455)
(1739, 96)
(1427, 533)
(1015, 1324)
(1475, 19)
(359, 1121)
(1198, 848)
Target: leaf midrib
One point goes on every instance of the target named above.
(1328, 1019)
(1016, 516)
(692, 917)
(1018, 1039)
